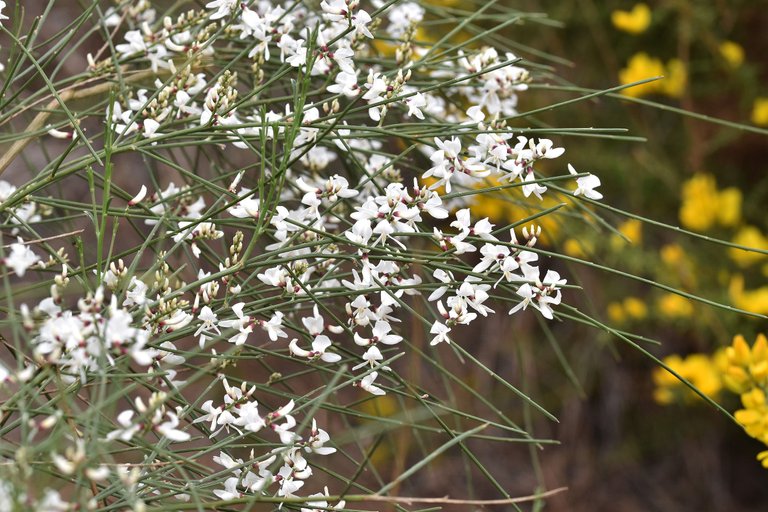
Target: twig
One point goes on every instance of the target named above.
(46, 239)
(450, 501)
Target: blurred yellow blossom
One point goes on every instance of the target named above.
(675, 79)
(379, 407)
(635, 308)
(642, 66)
(733, 53)
(671, 305)
(698, 369)
(631, 308)
(578, 248)
(755, 301)
(729, 207)
(760, 112)
(703, 205)
(699, 209)
(748, 236)
(672, 255)
(632, 229)
(616, 312)
(635, 21)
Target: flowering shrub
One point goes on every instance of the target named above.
(246, 244)
(273, 206)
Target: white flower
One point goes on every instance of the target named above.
(366, 383)
(168, 429)
(212, 415)
(371, 357)
(283, 430)
(532, 188)
(544, 149)
(493, 255)
(20, 258)
(444, 277)
(415, 103)
(299, 57)
(274, 327)
(127, 429)
(242, 323)
(209, 319)
(134, 43)
(314, 324)
(321, 505)
(317, 438)
(2, 6)
(541, 294)
(223, 7)
(440, 331)
(319, 347)
(346, 84)
(475, 113)
(360, 21)
(377, 86)
(230, 491)
(137, 292)
(249, 417)
(586, 185)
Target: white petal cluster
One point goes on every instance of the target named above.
(347, 201)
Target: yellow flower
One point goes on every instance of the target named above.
(631, 308)
(632, 229)
(755, 301)
(665, 382)
(729, 207)
(616, 312)
(763, 458)
(746, 368)
(698, 369)
(703, 205)
(699, 209)
(754, 416)
(748, 236)
(635, 308)
(577, 248)
(672, 255)
(675, 306)
(635, 21)
(642, 66)
(760, 112)
(733, 53)
(675, 79)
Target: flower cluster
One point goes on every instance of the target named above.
(312, 248)
(739, 368)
